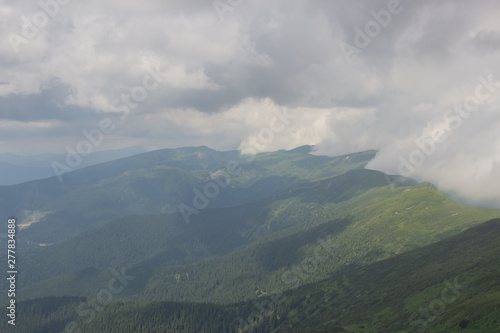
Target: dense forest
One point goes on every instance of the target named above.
(451, 285)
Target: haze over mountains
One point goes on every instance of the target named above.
(18, 169)
(229, 230)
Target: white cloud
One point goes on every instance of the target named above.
(223, 81)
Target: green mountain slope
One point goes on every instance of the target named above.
(158, 182)
(311, 228)
(159, 240)
(368, 234)
(449, 286)
(362, 220)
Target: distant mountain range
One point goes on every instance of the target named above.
(16, 169)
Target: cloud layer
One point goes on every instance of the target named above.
(384, 75)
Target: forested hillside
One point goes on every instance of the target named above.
(452, 285)
(158, 182)
(236, 253)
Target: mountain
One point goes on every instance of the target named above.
(452, 285)
(158, 182)
(179, 234)
(449, 286)
(229, 254)
(167, 239)
(16, 169)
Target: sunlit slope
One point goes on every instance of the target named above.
(449, 286)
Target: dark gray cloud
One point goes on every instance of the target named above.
(486, 41)
(221, 79)
(49, 104)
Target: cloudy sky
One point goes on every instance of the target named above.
(417, 80)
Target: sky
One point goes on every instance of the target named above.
(419, 81)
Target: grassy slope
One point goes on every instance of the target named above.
(392, 295)
(160, 240)
(156, 182)
(380, 224)
(370, 233)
